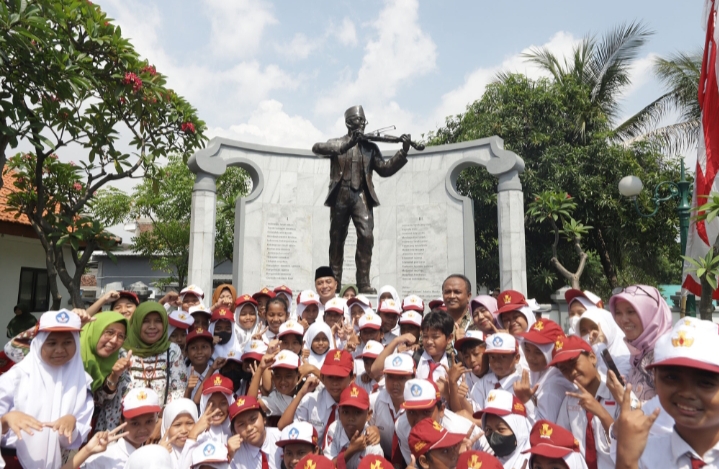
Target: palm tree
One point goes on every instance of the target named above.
(680, 75)
(604, 66)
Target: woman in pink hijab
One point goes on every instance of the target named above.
(643, 315)
(483, 308)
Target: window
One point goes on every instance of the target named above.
(34, 289)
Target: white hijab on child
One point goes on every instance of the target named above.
(154, 456)
(318, 327)
(615, 338)
(392, 291)
(173, 410)
(521, 428)
(218, 432)
(221, 351)
(242, 336)
(47, 393)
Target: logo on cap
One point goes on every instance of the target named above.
(222, 312)
(538, 326)
(507, 298)
(141, 396)
(492, 396)
(231, 353)
(218, 380)
(419, 445)
(294, 433)
(310, 465)
(62, 317)
(338, 355)
(240, 402)
(254, 345)
(436, 426)
(682, 340)
(376, 465)
(246, 297)
(199, 330)
(397, 361)
(290, 324)
(497, 342)
(416, 390)
(209, 449)
(559, 344)
(354, 392)
(265, 290)
(546, 431)
(474, 463)
(182, 316)
(369, 317)
(281, 356)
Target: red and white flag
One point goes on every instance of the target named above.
(702, 235)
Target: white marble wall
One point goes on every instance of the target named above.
(293, 189)
(202, 240)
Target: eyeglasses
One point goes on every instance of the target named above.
(634, 290)
(109, 335)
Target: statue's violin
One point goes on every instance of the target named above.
(379, 136)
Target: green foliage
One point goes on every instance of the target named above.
(167, 202)
(537, 119)
(706, 267)
(68, 77)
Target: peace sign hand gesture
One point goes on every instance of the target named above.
(259, 335)
(586, 400)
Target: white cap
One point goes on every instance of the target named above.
(691, 343)
(411, 317)
(181, 319)
(200, 309)
(474, 336)
(235, 353)
(372, 349)
(308, 297)
(63, 320)
(254, 349)
(208, 452)
(360, 299)
(501, 402)
(389, 306)
(194, 289)
(420, 394)
(399, 364)
(286, 359)
(298, 432)
(413, 303)
(370, 321)
(533, 304)
(291, 327)
(336, 305)
(140, 401)
(501, 342)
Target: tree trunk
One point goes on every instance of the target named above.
(607, 265)
(706, 305)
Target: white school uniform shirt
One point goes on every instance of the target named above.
(553, 387)
(452, 422)
(269, 336)
(671, 451)
(359, 371)
(276, 403)
(384, 416)
(203, 375)
(423, 367)
(388, 338)
(316, 408)
(249, 457)
(337, 441)
(478, 393)
(114, 457)
(574, 418)
(664, 423)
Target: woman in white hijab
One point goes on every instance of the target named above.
(318, 349)
(47, 395)
(598, 328)
(177, 421)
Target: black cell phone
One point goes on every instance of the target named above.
(607, 357)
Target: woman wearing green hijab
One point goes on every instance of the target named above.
(100, 342)
(155, 363)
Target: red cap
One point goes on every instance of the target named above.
(244, 299)
(543, 332)
(437, 303)
(372, 461)
(222, 312)
(196, 334)
(551, 440)
(130, 296)
(509, 300)
(283, 289)
(355, 396)
(264, 292)
(315, 461)
(478, 460)
(338, 363)
(428, 435)
(242, 404)
(217, 383)
(569, 348)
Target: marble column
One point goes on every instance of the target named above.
(512, 251)
(202, 234)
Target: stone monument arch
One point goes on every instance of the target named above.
(424, 229)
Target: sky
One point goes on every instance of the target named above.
(282, 73)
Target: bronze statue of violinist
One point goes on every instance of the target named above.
(351, 193)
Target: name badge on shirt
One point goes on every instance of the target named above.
(574, 408)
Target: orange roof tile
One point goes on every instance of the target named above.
(8, 179)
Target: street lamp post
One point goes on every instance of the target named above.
(631, 186)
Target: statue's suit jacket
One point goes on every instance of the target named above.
(371, 161)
